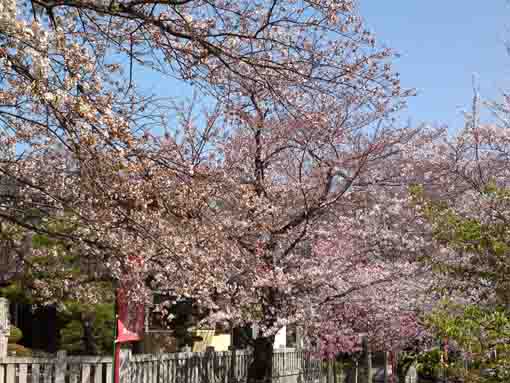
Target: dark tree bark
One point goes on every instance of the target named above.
(261, 368)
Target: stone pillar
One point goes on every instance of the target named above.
(5, 327)
(299, 337)
(254, 331)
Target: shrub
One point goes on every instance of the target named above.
(18, 350)
(15, 335)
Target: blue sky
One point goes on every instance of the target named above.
(442, 43)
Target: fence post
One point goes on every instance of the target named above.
(232, 375)
(61, 367)
(356, 371)
(208, 363)
(329, 375)
(299, 338)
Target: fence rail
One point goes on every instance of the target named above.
(289, 366)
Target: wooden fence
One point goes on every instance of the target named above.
(62, 369)
(289, 366)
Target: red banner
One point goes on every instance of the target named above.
(130, 320)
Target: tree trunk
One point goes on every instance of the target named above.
(386, 372)
(368, 359)
(393, 367)
(261, 368)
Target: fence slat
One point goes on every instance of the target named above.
(148, 372)
(22, 373)
(2, 374)
(109, 373)
(139, 372)
(36, 373)
(74, 374)
(11, 373)
(98, 373)
(194, 369)
(61, 367)
(173, 371)
(152, 376)
(162, 371)
(48, 372)
(85, 373)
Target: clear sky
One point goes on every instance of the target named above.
(442, 43)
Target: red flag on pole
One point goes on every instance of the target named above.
(130, 325)
(131, 318)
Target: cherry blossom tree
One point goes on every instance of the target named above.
(259, 208)
(384, 287)
(321, 228)
(468, 219)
